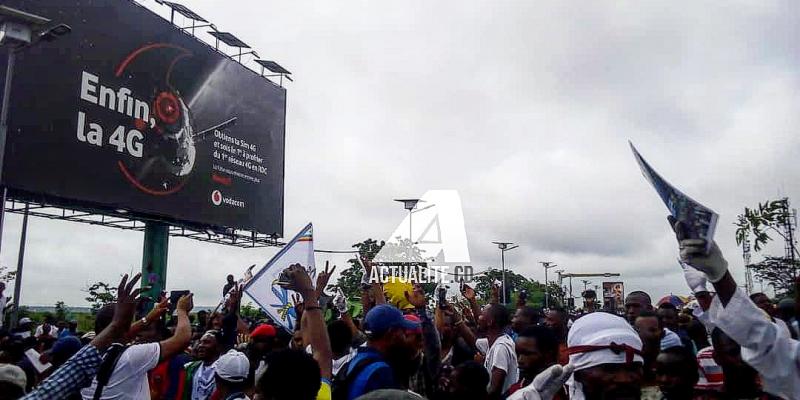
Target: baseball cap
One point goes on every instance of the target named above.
(263, 331)
(385, 317)
(232, 366)
(13, 375)
(25, 320)
(66, 347)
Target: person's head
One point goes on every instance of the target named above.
(524, 318)
(386, 330)
(103, 317)
(290, 366)
(676, 373)
(230, 372)
(12, 382)
(202, 318)
(153, 332)
(557, 320)
(496, 318)
(649, 327)
(606, 354)
(668, 315)
(262, 339)
(635, 303)
(63, 349)
(786, 309)
(763, 302)
(537, 349)
(215, 321)
(208, 348)
(72, 326)
(341, 338)
(469, 381)
(230, 278)
(26, 324)
(297, 339)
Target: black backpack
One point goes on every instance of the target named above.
(344, 379)
(106, 368)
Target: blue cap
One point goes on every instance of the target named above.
(66, 346)
(384, 317)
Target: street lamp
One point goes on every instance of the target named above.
(19, 30)
(504, 247)
(409, 204)
(547, 265)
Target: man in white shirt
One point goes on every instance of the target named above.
(501, 357)
(128, 379)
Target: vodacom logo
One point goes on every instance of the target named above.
(216, 197)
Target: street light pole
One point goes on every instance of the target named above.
(547, 265)
(504, 247)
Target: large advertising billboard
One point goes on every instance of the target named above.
(128, 112)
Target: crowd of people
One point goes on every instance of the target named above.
(730, 346)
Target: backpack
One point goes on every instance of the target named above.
(355, 373)
(106, 368)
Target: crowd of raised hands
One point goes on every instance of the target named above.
(415, 345)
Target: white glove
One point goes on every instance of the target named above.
(340, 302)
(694, 278)
(693, 252)
(546, 384)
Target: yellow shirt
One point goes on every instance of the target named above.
(324, 391)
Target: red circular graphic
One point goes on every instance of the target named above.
(167, 107)
(216, 197)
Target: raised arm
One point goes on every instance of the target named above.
(313, 319)
(178, 342)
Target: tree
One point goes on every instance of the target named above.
(61, 311)
(350, 279)
(772, 216)
(251, 312)
(100, 294)
(779, 271)
(7, 276)
(515, 283)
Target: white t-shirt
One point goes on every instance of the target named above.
(53, 332)
(338, 363)
(203, 383)
(503, 355)
(129, 379)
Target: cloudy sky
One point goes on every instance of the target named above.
(525, 108)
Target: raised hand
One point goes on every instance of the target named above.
(323, 278)
(693, 252)
(185, 303)
(298, 280)
(159, 309)
(127, 297)
(417, 297)
(468, 293)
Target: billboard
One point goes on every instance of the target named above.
(614, 295)
(130, 113)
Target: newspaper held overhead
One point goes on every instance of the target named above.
(700, 221)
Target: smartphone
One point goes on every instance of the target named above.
(174, 296)
(441, 294)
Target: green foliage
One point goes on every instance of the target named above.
(350, 279)
(514, 284)
(61, 311)
(252, 312)
(778, 271)
(769, 215)
(100, 294)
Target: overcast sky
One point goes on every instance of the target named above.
(524, 108)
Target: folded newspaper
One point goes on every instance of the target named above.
(700, 222)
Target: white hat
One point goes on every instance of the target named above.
(89, 335)
(13, 375)
(602, 338)
(232, 366)
(25, 320)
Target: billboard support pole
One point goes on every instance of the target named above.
(4, 127)
(154, 258)
(20, 262)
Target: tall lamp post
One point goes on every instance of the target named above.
(18, 31)
(504, 247)
(410, 205)
(547, 265)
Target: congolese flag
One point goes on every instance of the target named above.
(273, 299)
